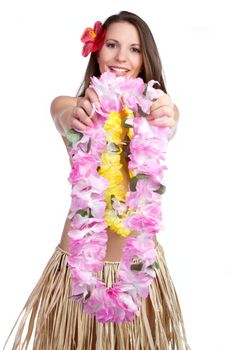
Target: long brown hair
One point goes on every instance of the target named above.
(152, 66)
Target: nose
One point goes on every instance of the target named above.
(121, 55)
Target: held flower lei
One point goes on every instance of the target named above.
(93, 38)
(98, 200)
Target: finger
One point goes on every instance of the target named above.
(164, 121)
(78, 125)
(92, 96)
(86, 105)
(80, 115)
(93, 114)
(161, 111)
(95, 117)
(160, 93)
(89, 108)
(161, 101)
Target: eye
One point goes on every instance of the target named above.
(136, 49)
(111, 45)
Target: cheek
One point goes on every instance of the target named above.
(101, 64)
(102, 61)
(138, 64)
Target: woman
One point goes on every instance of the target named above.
(124, 46)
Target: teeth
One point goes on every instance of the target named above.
(120, 70)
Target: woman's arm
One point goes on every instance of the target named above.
(61, 109)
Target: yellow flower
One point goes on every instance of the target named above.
(110, 168)
(111, 159)
(113, 128)
(130, 133)
(115, 223)
(117, 191)
(131, 174)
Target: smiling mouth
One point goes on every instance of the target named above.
(119, 70)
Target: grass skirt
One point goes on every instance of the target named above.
(52, 321)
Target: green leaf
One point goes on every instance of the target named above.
(133, 183)
(82, 212)
(142, 176)
(161, 189)
(125, 125)
(134, 180)
(141, 112)
(154, 265)
(136, 266)
(112, 197)
(73, 136)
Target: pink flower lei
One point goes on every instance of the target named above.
(88, 237)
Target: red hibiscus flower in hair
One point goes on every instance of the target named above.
(93, 38)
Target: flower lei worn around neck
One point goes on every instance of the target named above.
(94, 152)
(93, 38)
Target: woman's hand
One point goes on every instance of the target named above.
(84, 114)
(164, 112)
(74, 113)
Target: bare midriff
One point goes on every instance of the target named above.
(115, 242)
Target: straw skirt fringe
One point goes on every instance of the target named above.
(52, 321)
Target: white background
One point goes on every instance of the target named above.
(40, 59)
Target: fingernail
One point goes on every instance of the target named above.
(92, 113)
(96, 104)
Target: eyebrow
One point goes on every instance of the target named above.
(118, 42)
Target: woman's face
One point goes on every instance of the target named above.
(121, 51)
